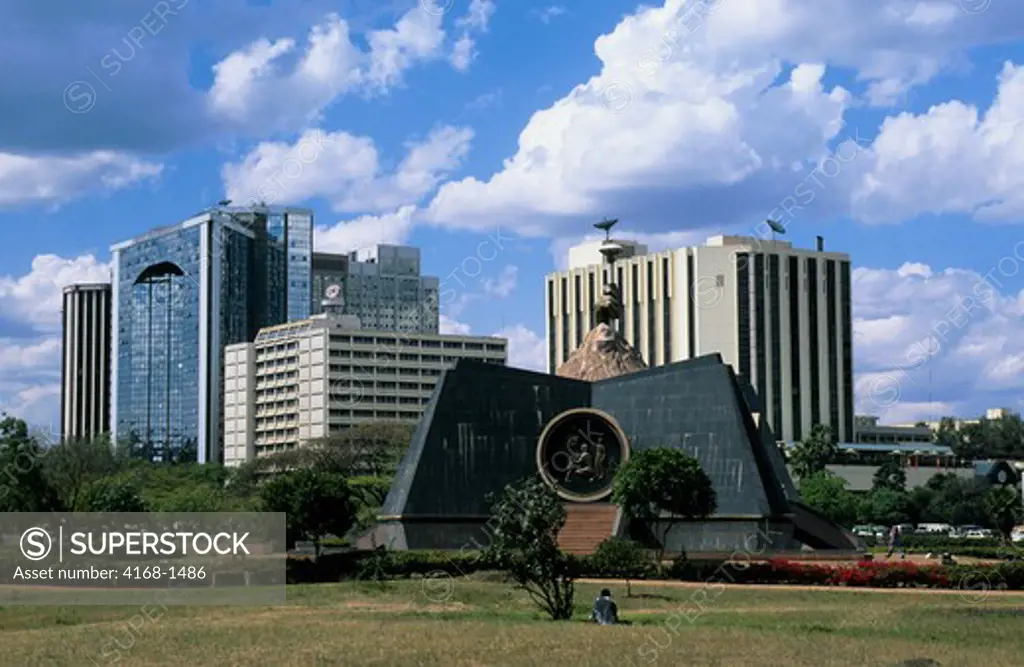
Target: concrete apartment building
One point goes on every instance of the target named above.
(382, 286)
(310, 378)
(781, 316)
(85, 361)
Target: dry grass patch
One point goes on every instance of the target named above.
(488, 624)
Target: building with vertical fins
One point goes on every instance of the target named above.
(181, 294)
(85, 361)
(779, 315)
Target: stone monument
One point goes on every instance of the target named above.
(604, 353)
(487, 426)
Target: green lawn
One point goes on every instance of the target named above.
(476, 622)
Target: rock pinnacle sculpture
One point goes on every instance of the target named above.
(604, 353)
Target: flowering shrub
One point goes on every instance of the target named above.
(873, 574)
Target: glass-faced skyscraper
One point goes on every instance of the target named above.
(182, 293)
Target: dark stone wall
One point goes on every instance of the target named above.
(696, 406)
(478, 434)
(751, 537)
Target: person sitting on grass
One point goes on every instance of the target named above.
(605, 611)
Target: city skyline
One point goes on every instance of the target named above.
(423, 124)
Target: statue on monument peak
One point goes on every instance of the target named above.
(604, 353)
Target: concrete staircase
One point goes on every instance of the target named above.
(586, 526)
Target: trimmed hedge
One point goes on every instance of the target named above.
(935, 542)
(624, 565)
(387, 564)
(1003, 552)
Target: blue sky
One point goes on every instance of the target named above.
(892, 128)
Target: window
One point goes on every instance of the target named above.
(635, 279)
(579, 312)
(845, 306)
(833, 351)
(667, 310)
(774, 299)
(813, 322)
(794, 346)
(651, 347)
(743, 314)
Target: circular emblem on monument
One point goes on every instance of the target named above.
(579, 452)
(332, 291)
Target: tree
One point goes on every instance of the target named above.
(958, 501)
(110, 494)
(201, 499)
(812, 454)
(886, 506)
(949, 435)
(828, 494)
(370, 494)
(23, 486)
(72, 466)
(372, 449)
(621, 559)
(1004, 508)
(317, 503)
(890, 475)
(659, 482)
(921, 499)
(525, 521)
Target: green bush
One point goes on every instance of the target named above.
(620, 558)
(388, 564)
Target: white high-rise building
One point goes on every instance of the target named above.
(307, 379)
(781, 316)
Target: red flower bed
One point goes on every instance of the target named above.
(863, 573)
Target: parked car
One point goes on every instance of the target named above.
(1017, 534)
(934, 528)
(979, 534)
(863, 531)
(963, 530)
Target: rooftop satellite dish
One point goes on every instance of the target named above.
(606, 226)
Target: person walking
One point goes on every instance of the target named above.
(605, 610)
(894, 542)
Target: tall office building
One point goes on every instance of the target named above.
(781, 316)
(85, 361)
(182, 293)
(382, 286)
(308, 379)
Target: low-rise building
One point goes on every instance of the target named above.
(867, 430)
(305, 380)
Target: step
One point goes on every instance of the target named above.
(586, 526)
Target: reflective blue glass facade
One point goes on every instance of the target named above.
(157, 345)
(181, 295)
(300, 264)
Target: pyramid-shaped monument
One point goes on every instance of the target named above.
(487, 426)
